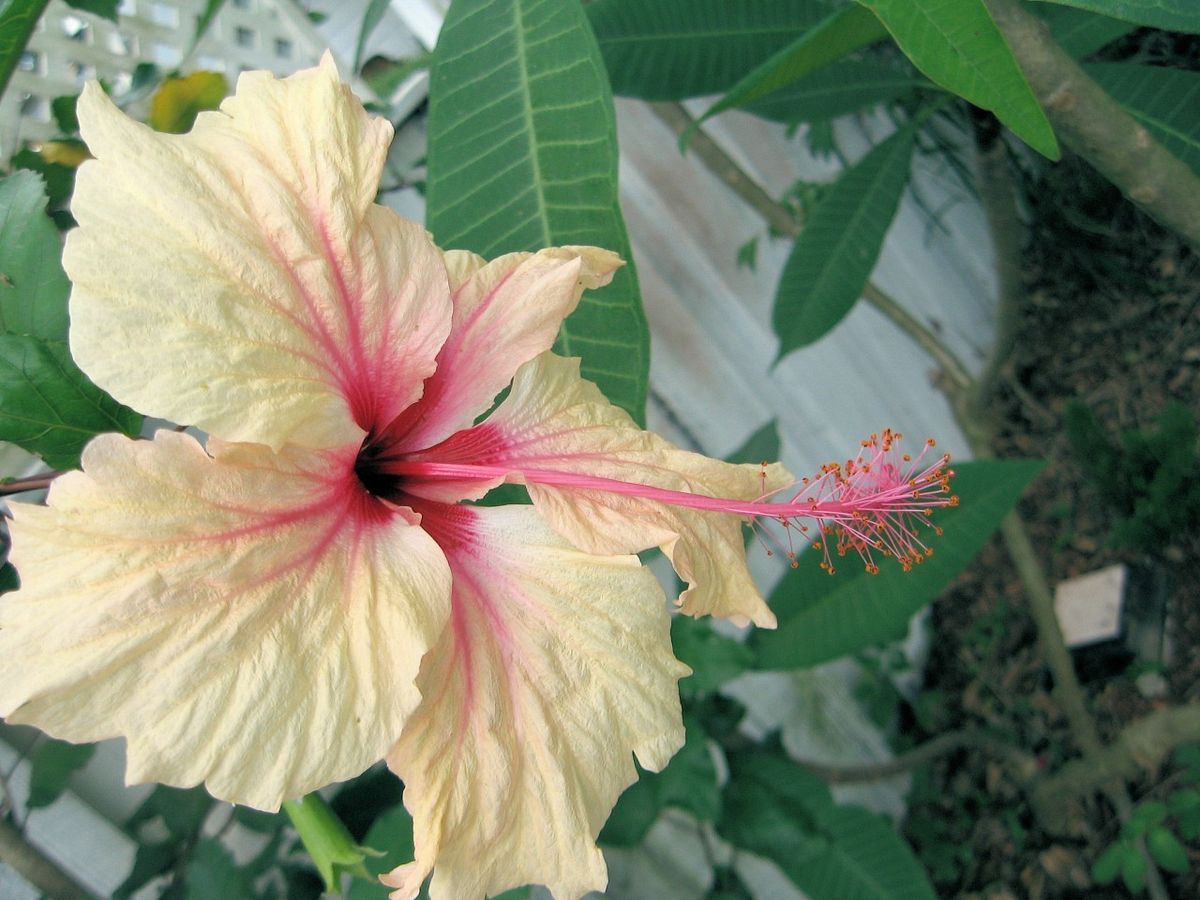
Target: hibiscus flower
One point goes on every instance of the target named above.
(306, 592)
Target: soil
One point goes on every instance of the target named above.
(1113, 320)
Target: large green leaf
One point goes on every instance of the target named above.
(52, 764)
(33, 286)
(523, 155)
(48, 406)
(211, 872)
(106, 9)
(18, 18)
(835, 253)
(1172, 15)
(1081, 33)
(836, 90)
(689, 782)
(392, 834)
(822, 617)
(957, 45)
(713, 658)
(843, 31)
(1166, 101)
(674, 49)
(777, 809)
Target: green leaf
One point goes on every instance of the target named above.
(1081, 33)
(714, 658)
(53, 763)
(370, 21)
(63, 109)
(762, 446)
(1106, 869)
(18, 18)
(1164, 100)
(843, 31)
(8, 578)
(211, 872)
(523, 155)
(392, 833)
(956, 44)
(776, 808)
(33, 286)
(60, 179)
(106, 9)
(48, 406)
(150, 861)
(837, 90)
(689, 782)
(1133, 871)
(1171, 15)
(833, 257)
(674, 49)
(178, 100)
(1167, 851)
(203, 23)
(822, 617)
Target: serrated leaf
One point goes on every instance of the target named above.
(60, 179)
(53, 764)
(18, 18)
(1163, 100)
(33, 286)
(833, 256)
(1078, 32)
(177, 102)
(777, 809)
(675, 49)
(1171, 15)
(843, 31)
(48, 406)
(523, 155)
(956, 44)
(822, 617)
(211, 872)
(106, 9)
(838, 89)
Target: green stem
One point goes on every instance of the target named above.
(327, 840)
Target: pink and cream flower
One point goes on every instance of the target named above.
(306, 593)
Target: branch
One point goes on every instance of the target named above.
(784, 221)
(1022, 764)
(1096, 127)
(32, 483)
(37, 868)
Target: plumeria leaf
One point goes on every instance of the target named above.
(1081, 33)
(1171, 15)
(845, 30)
(33, 286)
(823, 617)
(18, 18)
(762, 446)
(178, 101)
(835, 253)
(370, 21)
(106, 9)
(958, 46)
(1164, 100)
(52, 764)
(775, 808)
(49, 406)
(203, 23)
(838, 89)
(523, 155)
(674, 49)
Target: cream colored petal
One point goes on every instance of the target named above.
(555, 669)
(554, 420)
(249, 621)
(506, 312)
(240, 279)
